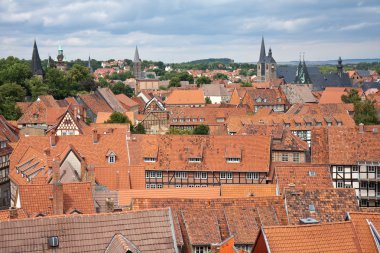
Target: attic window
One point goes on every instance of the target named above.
(278, 99)
(150, 159)
(311, 208)
(258, 99)
(35, 116)
(287, 125)
(111, 159)
(174, 120)
(319, 124)
(195, 160)
(312, 173)
(53, 241)
(233, 160)
(308, 123)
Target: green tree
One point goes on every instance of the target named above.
(220, 76)
(150, 76)
(203, 80)
(58, 84)
(175, 82)
(208, 100)
(12, 91)
(118, 117)
(139, 129)
(37, 87)
(9, 109)
(201, 130)
(118, 88)
(13, 70)
(103, 82)
(78, 73)
(365, 112)
(177, 131)
(351, 97)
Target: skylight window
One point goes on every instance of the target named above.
(150, 159)
(233, 160)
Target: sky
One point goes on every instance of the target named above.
(185, 30)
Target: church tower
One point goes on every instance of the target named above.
(339, 67)
(137, 65)
(36, 62)
(89, 65)
(266, 66)
(60, 57)
(302, 74)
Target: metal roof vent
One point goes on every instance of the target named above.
(53, 241)
(309, 221)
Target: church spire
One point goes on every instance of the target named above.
(89, 64)
(302, 74)
(36, 62)
(137, 57)
(262, 51)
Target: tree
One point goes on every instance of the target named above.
(118, 88)
(12, 91)
(208, 100)
(129, 91)
(201, 130)
(118, 117)
(37, 87)
(175, 82)
(203, 80)
(150, 76)
(365, 112)
(13, 70)
(78, 73)
(351, 97)
(220, 76)
(139, 129)
(58, 84)
(9, 109)
(177, 131)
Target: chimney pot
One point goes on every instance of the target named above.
(53, 138)
(13, 213)
(95, 136)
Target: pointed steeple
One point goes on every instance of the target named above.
(262, 51)
(137, 57)
(36, 61)
(302, 75)
(89, 64)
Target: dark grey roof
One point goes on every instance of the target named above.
(369, 85)
(137, 57)
(36, 61)
(319, 80)
(363, 73)
(262, 51)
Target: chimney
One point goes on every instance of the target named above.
(91, 174)
(361, 128)
(47, 151)
(57, 190)
(83, 166)
(95, 136)
(13, 213)
(75, 109)
(110, 205)
(53, 138)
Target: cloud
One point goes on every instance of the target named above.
(181, 30)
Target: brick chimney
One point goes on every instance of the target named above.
(91, 174)
(53, 138)
(47, 151)
(95, 136)
(361, 128)
(83, 166)
(13, 213)
(57, 189)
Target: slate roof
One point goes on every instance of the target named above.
(330, 204)
(320, 81)
(296, 93)
(370, 85)
(172, 152)
(36, 199)
(331, 237)
(149, 231)
(36, 61)
(299, 176)
(363, 73)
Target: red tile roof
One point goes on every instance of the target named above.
(331, 237)
(249, 190)
(126, 101)
(5, 214)
(95, 103)
(186, 97)
(35, 199)
(362, 229)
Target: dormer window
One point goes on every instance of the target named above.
(3, 144)
(298, 124)
(233, 159)
(195, 119)
(278, 99)
(150, 159)
(319, 124)
(195, 160)
(201, 119)
(111, 156)
(312, 173)
(258, 99)
(175, 120)
(219, 120)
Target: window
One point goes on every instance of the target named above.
(194, 160)
(178, 186)
(195, 119)
(298, 124)
(371, 168)
(111, 159)
(201, 249)
(188, 119)
(219, 120)
(339, 123)
(153, 174)
(319, 124)
(226, 175)
(328, 123)
(287, 125)
(371, 185)
(284, 157)
(252, 175)
(296, 157)
(149, 159)
(3, 144)
(308, 124)
(312, 173)
(278, 99)
(181, 120)
(311, 208)
(355, 168)
(153, 186)
(340, 168)
(201, 119)
(233, 160)
(200, 175)
(174, 120)
(363, 184)
(339, 184)
(363, 202)
(180, 174)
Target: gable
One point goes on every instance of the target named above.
(67, 126)
(70, 168)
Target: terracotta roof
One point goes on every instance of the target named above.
(39, 113)
(95, 103)
(125, 196)
(110, 99)
(323, 205)
(121, 244)
(101, 196)
(149, 231)
(186, 97)
(126, 101)
(268, 96)
(7, 131)
(362, 229)
(332, 95)
(104, 116)
(48, 100)
(109, 137)
(173, 152)
(290, 142)
(346, 145)
(37, 198)
(332, 237)
(5, 215)
(303, 177)
(71, 101)
(23, 106)
(251, 190)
